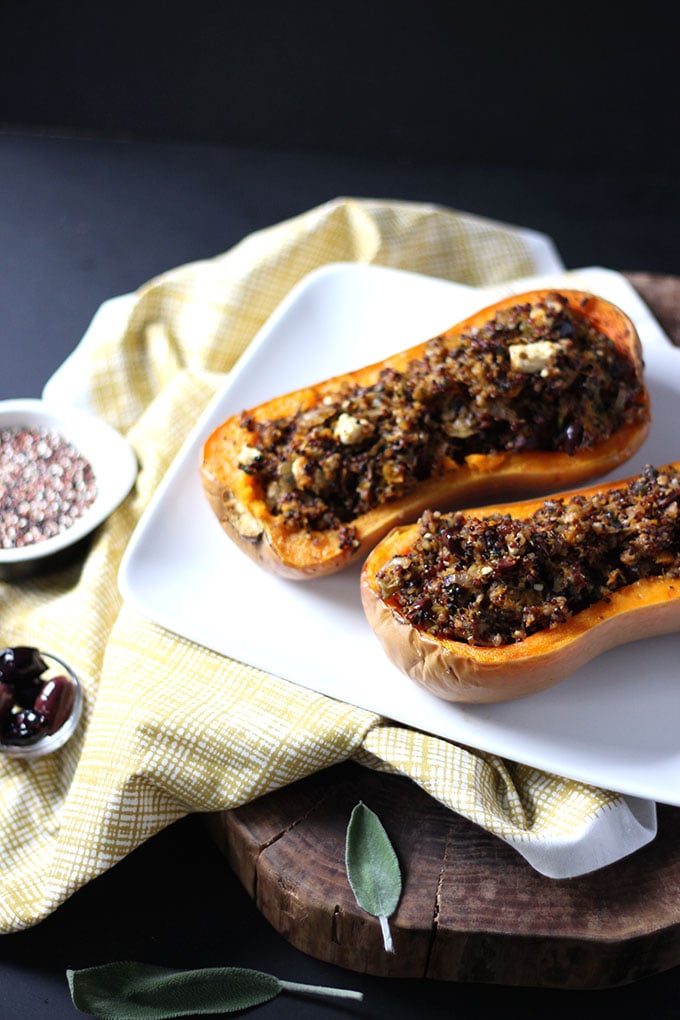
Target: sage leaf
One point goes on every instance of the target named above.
(372, 868)
(140, 991)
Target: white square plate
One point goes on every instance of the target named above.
(614, 723)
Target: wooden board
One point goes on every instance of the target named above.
(472, 909)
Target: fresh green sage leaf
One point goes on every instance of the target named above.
(140, 991)
(372, 868)
(137, 991)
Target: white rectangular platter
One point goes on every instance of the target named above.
(614, 723)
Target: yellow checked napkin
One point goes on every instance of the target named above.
(171, 728)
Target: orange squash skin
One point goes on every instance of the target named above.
(456, 671)
(238, 501)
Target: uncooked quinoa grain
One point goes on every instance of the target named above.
(46, 484)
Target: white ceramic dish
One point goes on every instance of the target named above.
(612, 724)
(113, 462)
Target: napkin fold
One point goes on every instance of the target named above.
(171, 728)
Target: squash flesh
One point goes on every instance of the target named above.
(238, 500)
(456, 671)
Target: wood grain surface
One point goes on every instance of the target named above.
(472, 909)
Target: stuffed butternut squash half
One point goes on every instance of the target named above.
(493, 604)
(534, 393)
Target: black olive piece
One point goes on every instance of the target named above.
(6, 700)
(24, 727)
(55, 701)
(21, 663)
(26, 691)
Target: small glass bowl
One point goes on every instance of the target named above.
(51, 741)
(113, 462)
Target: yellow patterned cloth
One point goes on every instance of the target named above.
(170, 728)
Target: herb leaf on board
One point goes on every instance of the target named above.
(372, 868)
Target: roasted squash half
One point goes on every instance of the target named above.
(270, 535)
(458, 671)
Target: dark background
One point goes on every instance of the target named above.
(137, 137)
(584, 86)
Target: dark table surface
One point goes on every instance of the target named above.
(82, 220)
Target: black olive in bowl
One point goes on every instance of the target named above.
(41, 702)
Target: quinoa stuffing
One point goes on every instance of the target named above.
(536, 376)
(495, 580)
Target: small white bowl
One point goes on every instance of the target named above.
(50, 741)
(114, 465)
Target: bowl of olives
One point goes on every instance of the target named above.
(41, 702)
